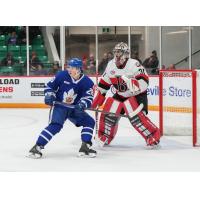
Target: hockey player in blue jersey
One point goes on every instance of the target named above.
(71, 88)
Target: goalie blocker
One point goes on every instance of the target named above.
(109, 123)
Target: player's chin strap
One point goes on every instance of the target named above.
(132, 114)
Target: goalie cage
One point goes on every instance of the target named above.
(179, 103)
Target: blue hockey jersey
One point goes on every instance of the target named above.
(71, 91)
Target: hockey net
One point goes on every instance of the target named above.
(179, 103)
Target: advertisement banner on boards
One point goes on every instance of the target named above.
(31, 90)
(22, 89)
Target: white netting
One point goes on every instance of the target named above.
(177, 103)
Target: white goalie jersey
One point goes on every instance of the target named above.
(129, 80)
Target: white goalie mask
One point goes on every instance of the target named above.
(121, 53)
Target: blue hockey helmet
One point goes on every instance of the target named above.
(75, 62)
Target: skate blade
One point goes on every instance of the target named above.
(34, 156)
(83, 155)
(153, 147)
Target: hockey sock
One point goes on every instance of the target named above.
(47, 134)
(86, 134)
(88, 124)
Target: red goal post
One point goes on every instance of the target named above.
(179, 104)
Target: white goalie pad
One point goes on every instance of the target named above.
(132, 109)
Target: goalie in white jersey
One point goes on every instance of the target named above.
(130, 80)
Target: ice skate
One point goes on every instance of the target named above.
(155, 146)
(86, 151)
(153, 140)
(35, 152)
(101, 141)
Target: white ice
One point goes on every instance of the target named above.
(19, 129)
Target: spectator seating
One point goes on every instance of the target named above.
(6, 39)
(39, 49)
(37, 40)
(23, 49)
(2, 40)
(15, 49)
(20, 59)
(14, 70)
(3, 51)
(19, 53)
(1, 58)
(43, 58)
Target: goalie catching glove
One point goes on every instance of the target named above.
(132, 84)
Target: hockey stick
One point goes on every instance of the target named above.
(97, 65)
(64, 104)
(89, 109)
(139, 108)
(136, 111)
(104, 112)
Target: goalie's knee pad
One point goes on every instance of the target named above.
(141, 122)
(108, 124)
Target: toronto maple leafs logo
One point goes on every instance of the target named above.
(69, 97)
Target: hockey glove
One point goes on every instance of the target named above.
(98, 100)
(80, 107)
(49, 99)
(131, 84)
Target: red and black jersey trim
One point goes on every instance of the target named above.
(143, 77)
(104, 84)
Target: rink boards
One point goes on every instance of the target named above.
(27, 92)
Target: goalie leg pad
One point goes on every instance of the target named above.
(141, 122)
(108, 124)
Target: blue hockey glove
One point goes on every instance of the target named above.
(80, 107)
(50, 97)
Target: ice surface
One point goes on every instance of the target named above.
(19, 129)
